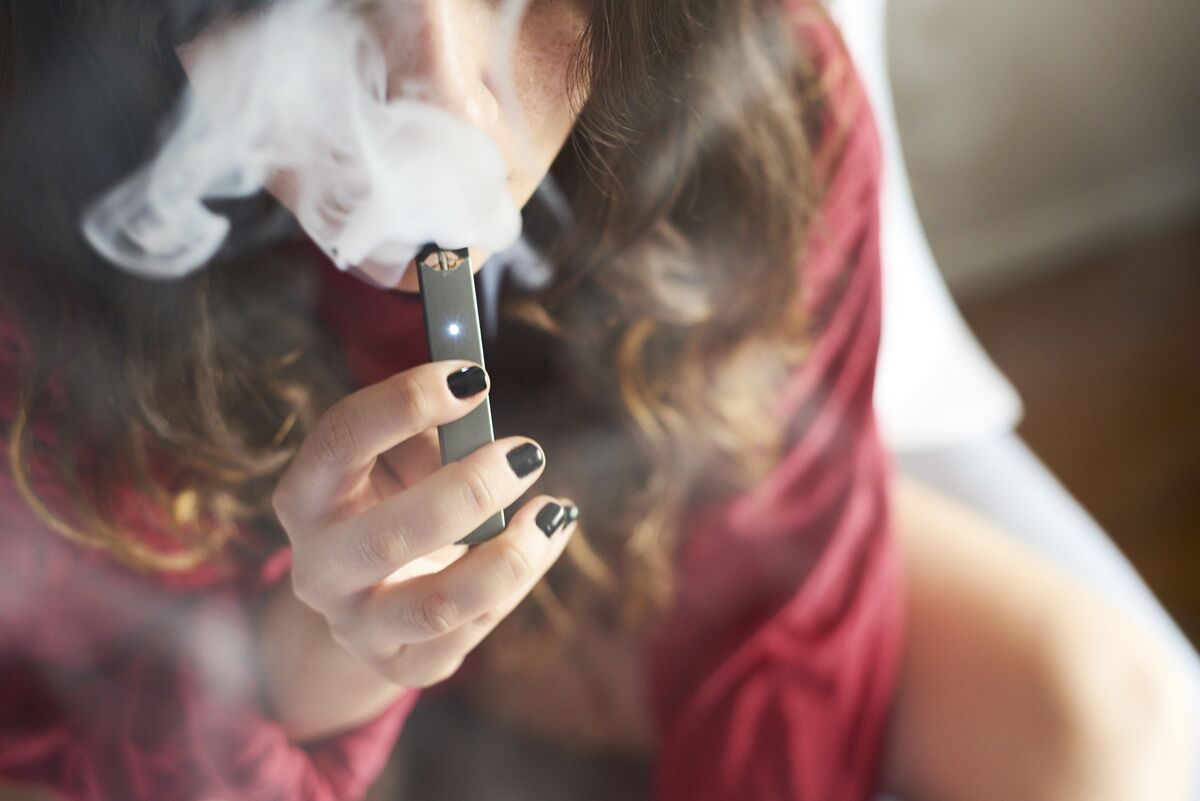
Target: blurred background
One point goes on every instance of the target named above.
(1054, 151)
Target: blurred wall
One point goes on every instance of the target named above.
(1036, 130)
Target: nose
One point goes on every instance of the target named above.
(438, 51)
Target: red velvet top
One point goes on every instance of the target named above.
(771, 680)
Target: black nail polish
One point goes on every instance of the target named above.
(467, 382)
(551, 518)
(526, 458)
(572, 514)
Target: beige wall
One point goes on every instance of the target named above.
(1033, 130)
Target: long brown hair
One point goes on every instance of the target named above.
(657, 349)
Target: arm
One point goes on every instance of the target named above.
(1018, 683)
(314, 686)
(115, 687)
(170, 714)
(382, 595)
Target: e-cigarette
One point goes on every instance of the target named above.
(452, 329)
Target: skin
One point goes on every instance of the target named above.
(1024, 687)
(465, 42)
(404, 605)
(461, 51)
(381, 599)
(450, 48)
(1017, 681)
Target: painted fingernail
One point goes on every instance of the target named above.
(572, 514)
(551, 518)
(524, 459)
(467, 382)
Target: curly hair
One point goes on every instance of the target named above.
(658, 349)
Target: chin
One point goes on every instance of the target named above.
(409, 283)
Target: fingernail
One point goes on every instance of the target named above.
(524, 459)
(467, 382)
(572, 514)
(551, 518)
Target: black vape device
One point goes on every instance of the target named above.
(452, 329)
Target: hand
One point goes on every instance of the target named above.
(373, 518)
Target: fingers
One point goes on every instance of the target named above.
(354, 431)
(415, 458)
(425, 663)
(438, 511)
(480, 584)
(406, 464)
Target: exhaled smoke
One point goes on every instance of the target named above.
(301, 94)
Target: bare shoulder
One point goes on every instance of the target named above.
(1018, 682)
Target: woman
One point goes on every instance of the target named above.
(228, 564)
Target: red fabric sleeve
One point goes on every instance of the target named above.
(113, 688)
(117, 685)
(773, 676)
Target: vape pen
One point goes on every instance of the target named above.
(452, 328)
